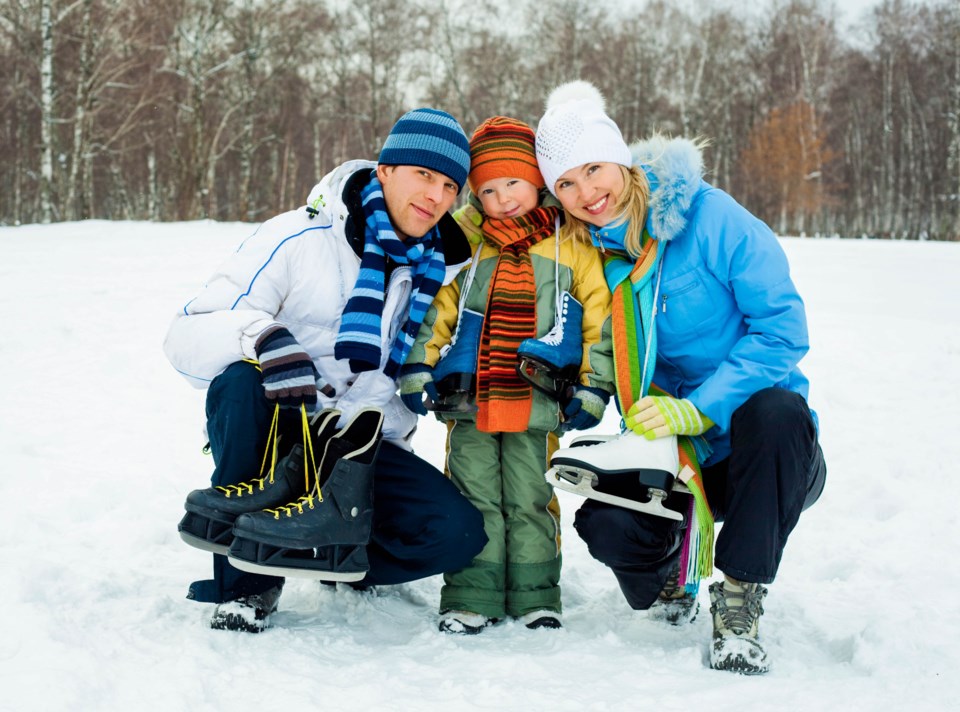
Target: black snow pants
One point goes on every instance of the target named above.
(775, 470)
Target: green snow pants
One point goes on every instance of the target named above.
(518, 571)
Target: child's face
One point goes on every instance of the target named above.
(507, 197)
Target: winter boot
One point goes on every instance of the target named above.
(674, 605)
(535, 620)
(736, 609)
(464, 622)
(250, 614)
(211, 512)
(628, 471)
(551, 364)
(455, 376)
(324, 534)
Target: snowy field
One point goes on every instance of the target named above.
(101, 440)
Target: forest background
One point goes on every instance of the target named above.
(232, 109)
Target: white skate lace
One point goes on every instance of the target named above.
(554, 337)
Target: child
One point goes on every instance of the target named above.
(498, 454)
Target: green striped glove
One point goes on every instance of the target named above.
(414, 382)
(659, 416)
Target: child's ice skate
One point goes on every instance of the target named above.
(628, 471)
(551, 364)
(455, 376)
(324, 534)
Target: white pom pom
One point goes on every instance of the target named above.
(579, 90)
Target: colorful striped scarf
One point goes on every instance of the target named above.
(504, 399)
(634, 288)
(359, 337)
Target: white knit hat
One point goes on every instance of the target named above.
(575, 130)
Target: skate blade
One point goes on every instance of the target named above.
(458, 403)
(580, 482)
(203, 544)
(588, 440)
(294, 572)
(541, 377)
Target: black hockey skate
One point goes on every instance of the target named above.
(551, 364)
(626, 470)
(323, 535)
(211, 512)
(455, 375)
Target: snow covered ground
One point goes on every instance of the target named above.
(101, 440)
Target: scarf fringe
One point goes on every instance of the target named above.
(696, 555)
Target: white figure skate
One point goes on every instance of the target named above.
(626, 470)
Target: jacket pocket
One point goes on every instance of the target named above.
(685, 304)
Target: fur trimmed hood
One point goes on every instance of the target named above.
(674, 168)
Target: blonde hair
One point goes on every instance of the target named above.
(631, 206)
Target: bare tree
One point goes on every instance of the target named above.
(231, 108)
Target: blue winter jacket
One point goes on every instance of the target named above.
(730, 321)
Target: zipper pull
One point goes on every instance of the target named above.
(663, 303)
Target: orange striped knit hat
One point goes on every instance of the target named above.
(502, 147)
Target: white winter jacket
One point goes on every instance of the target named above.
(298, 271)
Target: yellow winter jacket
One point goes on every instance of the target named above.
(580, 272)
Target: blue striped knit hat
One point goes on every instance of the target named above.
(429, 138)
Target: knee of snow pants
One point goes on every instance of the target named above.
(422, 525)
(641, 549)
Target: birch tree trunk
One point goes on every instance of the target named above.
(952, 189)
(46, 112)
(76, 206)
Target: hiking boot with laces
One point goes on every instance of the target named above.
(464, 622)
(736, 608)
(674, 605)
(250, 614)
(323, 534)
(211, 512)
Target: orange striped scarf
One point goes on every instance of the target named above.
(504, 400)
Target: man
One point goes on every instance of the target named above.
(316, 310)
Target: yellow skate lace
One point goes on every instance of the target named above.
(307, 499)
(258, 482)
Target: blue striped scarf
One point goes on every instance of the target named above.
(360, 326)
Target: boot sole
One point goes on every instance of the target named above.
(740, 669)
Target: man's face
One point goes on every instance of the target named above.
(416, 198)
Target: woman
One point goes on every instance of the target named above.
(712, 318)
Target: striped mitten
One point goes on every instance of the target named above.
(289, 376)
(659, 416)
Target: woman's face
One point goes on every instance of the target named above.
(590, 192)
